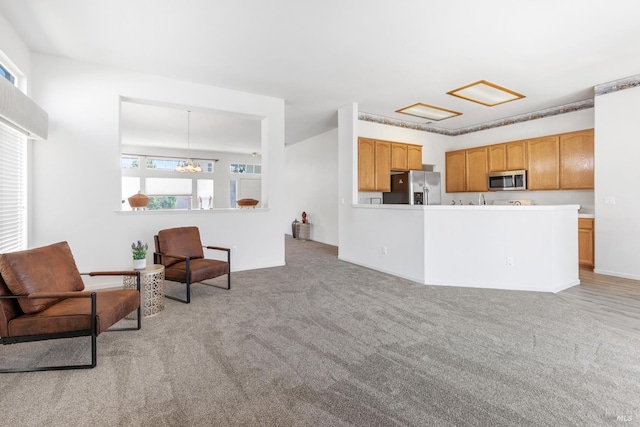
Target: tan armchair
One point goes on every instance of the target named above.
(181, 252)
(42, 297)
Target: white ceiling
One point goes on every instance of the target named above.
(321, 55)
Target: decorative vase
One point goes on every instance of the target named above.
(139, 264)
(139, 201)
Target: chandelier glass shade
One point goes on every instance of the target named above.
(188, 166)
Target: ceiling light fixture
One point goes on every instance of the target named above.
(188, 166)
(428, 112)
(486, 93)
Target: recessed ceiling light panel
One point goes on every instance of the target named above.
(486, 93)
(428, 112)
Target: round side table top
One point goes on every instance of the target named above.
(152, 268)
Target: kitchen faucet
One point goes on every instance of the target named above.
(481, 199)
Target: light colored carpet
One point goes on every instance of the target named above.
(326, 343)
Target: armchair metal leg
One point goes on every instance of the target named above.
(91, 365)
(187, 300)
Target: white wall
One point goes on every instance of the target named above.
(311, 185)
(617, 176)
(14, 53)
(76, 173)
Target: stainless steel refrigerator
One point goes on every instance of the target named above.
(414, 188)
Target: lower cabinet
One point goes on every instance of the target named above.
(585, 242)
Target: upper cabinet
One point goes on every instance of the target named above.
(497, 157)
(383, 166)
(576, 160)
(398, 156)
(553, 162)
(543, 171)
(466, 170)
(405, 157)
(374, 165)
(414, 157)
(376, 160)
(366, 164)
(476, 169)
(516, 155)
(455, 170)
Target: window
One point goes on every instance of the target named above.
(7, 75)
(232, 191)
(13, 190)
(247, 169)
(167, 189)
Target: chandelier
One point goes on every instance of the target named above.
(188, 166)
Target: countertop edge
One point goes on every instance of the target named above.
(473, 207)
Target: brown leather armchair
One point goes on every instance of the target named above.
(42, 297)
(181, 252)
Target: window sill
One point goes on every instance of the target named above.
(193, 211)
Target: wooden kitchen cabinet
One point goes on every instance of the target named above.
(476, 169)
(497, 157)
(543, 159)
(586, 255)
(399, 157)
(414, 157)
(374, 165)
(455, 171)
(366, 164)
(576, 160)
(383, 166)
(516, 155)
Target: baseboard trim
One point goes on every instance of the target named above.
(616, 274)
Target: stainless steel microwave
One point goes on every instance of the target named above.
(508, 180)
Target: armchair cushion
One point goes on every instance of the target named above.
(201, 269)
(183, 241)
(74, 314)
(45, 269)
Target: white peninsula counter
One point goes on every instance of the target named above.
(533, 248)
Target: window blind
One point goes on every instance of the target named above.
(13, 194)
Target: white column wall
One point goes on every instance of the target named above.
(311, 185)
(617, 176)
(76, 173)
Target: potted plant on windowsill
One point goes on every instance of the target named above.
(139, 255)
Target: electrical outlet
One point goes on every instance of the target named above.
(384, 250)
(509, 261)
(234, 249)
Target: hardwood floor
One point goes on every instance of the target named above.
(612, 300)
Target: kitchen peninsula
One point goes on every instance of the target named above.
(532, 248)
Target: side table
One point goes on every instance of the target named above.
(151, 289)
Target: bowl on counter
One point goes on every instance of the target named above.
(245, 203)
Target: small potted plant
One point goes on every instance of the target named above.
(139, 255)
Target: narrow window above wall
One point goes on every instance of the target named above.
(7, 75)
(244, 168)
